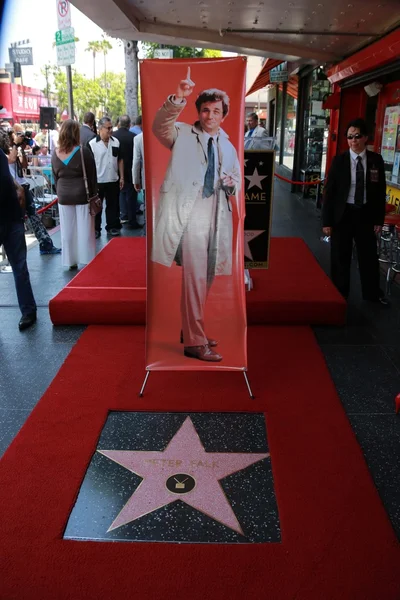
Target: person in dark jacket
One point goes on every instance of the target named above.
(76, 223)
(128, 195)
(354, 211)
(87, 131)
(12, 237)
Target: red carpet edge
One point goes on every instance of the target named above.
(111, 289)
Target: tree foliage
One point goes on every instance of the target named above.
(180, 51)
(89, 94)
(116, 95)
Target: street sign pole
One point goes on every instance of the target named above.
(65, 44)
(70, 92)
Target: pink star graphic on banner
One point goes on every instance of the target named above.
(255, 179)
(249, 235)
(183, 471)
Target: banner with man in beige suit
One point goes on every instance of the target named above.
(196, 317)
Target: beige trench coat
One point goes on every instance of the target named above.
(183, 184)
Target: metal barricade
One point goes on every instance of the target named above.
(42, 186)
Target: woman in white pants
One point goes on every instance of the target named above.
(77, 226)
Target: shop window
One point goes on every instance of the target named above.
(391, 145)
(290, 129)
(279, 101)
(271, 120)
(315, 125)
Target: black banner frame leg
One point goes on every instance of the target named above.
(248, 384)
(144, 384)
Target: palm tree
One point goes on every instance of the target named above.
(104, 47)
(132, 77)
(95, 48)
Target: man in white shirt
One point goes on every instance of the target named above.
(354, 211)
(110, 175)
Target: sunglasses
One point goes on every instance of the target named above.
(356, 136)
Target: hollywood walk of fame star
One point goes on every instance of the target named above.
(255, 179)
(184, 459)
(249, 235)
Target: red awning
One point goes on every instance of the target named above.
(263, 77)
(372, 57)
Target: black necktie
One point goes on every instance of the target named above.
(359, 193)
(208, 188)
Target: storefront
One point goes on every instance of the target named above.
(286, 99)
(311, 139)
(299, 123)
(390, 144)
(367, 85)
(285, 124)
(21, 104)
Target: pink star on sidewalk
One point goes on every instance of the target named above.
(185, 465)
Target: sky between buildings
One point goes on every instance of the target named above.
(37, 21)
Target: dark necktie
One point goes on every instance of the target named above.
(208, 188)
(359, 193)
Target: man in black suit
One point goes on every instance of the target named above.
(128, 194)
(86, 131)
(354, 209)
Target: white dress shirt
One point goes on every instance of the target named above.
(106, 159)
(353, 167)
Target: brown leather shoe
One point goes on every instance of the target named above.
(202, 353)
(211, 343)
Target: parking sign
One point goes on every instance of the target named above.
(63, 14)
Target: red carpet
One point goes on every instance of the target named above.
(111, 289)
(337, 542)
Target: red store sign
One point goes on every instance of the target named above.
(27, 101)
(21, 103)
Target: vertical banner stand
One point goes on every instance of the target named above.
(223, 255)
(248, 384)
(144, 384)
(141, 393)
(249, 285)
